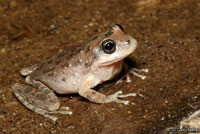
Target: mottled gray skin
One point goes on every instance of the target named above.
(75, 71)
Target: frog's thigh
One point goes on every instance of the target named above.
(33, 98)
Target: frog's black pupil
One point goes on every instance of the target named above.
(109, 46)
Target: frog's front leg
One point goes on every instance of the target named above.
(97, 97)
(133, 71)
(38, 98)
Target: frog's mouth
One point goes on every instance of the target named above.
(107, 63)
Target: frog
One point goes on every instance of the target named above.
(76, 70)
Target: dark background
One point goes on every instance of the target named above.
(168, 35)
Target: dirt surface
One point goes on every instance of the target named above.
(168, 35)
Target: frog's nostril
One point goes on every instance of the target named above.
(128, 41)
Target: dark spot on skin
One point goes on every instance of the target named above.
(52, 101)
(28, 90)
(109, 33)
(46, 108)
(46, 70)
(19, 91)
(32, 102)
(129, 42)
(57, 61)
(43, 88)
(77, 50)
(76, 63)
(37, 85)
(41, 65)
(93, 92)
(41, 97)
(87, 64)
(73, 52)
(91, 60)
(88, 97)
(69, 55)
(50, 74)
(60, 55)
(47, 91)
(65, 65)
(63, 79)
(26, 100)
(33, 94)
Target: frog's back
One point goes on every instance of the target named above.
(63, 73)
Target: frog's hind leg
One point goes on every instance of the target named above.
(42, 101)
(33, 100)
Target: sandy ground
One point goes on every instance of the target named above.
(168, 35)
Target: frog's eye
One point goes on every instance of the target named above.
(108, 46)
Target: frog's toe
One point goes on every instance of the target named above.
(115, 97)
(125, 102)
(28, 70)
(64, 110)
(135, 70)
